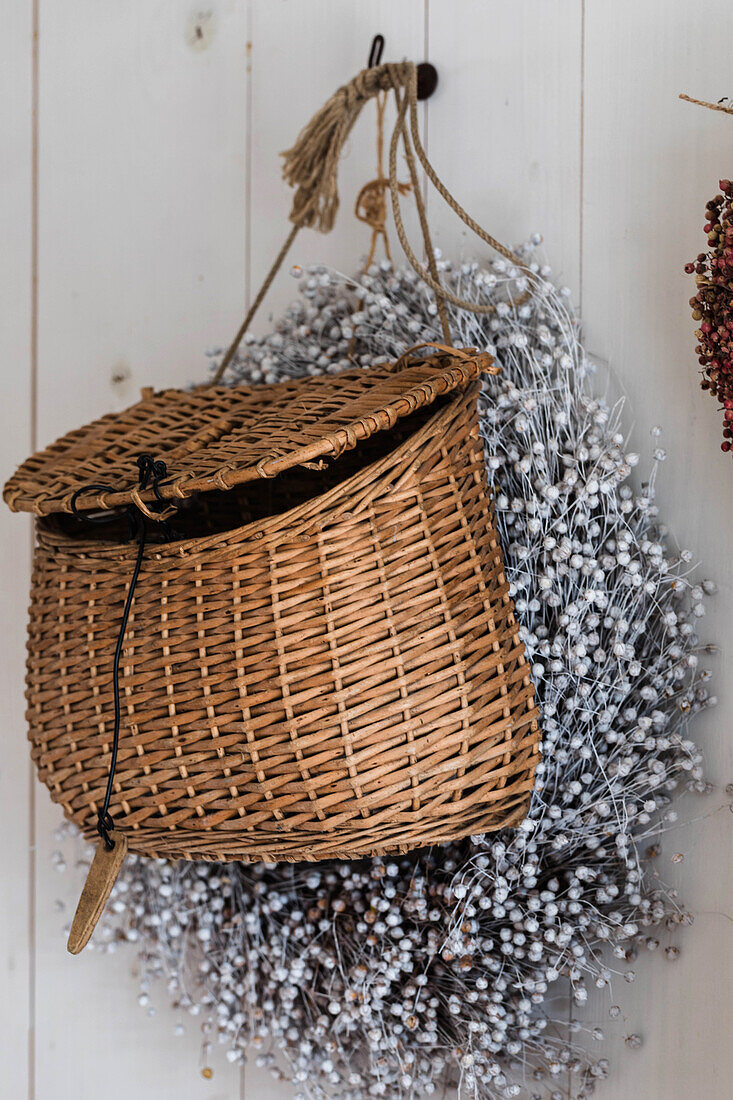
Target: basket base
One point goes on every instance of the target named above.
(237, 846)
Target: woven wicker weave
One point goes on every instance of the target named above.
(324, 662)
(216, 438)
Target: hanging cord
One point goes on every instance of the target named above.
(371, 206)
(433, 280)
(232, 349)
(150, 472)
(311, 167)
(371, 202)
(726, 108)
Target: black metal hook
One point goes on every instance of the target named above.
(427, 74)
(375, 54)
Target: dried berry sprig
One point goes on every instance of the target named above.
(712, 305)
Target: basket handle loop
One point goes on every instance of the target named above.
(311, 167)
(483, 359)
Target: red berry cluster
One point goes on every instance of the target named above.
(713, 305)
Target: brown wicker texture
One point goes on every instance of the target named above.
(216, 438)
(321, 664)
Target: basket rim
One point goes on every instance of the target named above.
(213, 430)
(292, 523)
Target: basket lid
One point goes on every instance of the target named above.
(219, 437)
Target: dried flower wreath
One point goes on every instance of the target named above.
(393, 977)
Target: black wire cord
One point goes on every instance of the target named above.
(150, 473)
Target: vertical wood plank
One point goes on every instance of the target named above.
(16, 219)
(650, 164)
(302, 52)
(142, 264)
(505, 125)
(143, 177)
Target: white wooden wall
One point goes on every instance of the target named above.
(141, 204)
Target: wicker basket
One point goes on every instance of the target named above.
(321, 659)
(323, 662)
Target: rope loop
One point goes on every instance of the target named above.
(483, 359)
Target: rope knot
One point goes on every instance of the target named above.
(357, 90)
(371, 205)
(311, 166)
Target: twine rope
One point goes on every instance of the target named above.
(277, 264)
(463, 214)
(371, 202)
(311, 167)
(432, 279)
(704, 103)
